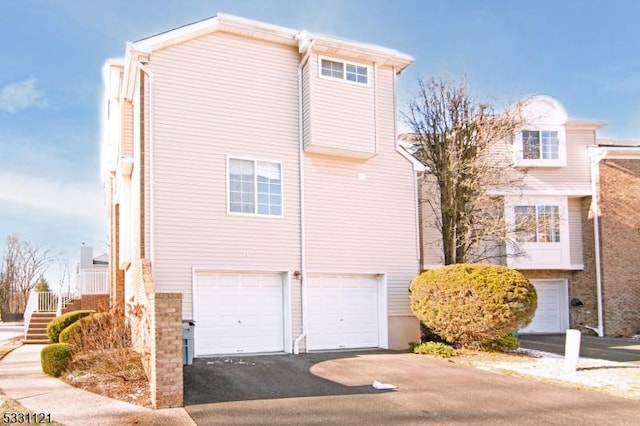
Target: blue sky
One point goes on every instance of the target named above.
(51, 52)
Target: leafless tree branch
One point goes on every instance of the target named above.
(466, 146)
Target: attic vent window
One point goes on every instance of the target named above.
(353, 73)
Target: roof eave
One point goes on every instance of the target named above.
(586, 124)
(220, 22)
(277, 34)
(332, 46)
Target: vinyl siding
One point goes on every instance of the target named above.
(126, 111)
(432, 237)
(342, 114)
(217, 96)
(296, 309)
(575, 231)
(575, 177)
(365, 226)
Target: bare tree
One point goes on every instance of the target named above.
(23, 264)
(465, 145)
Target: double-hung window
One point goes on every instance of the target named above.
(254, 187)
(537, 224)
(540, 145)
(354, 73)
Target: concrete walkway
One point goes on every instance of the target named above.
(22, 379)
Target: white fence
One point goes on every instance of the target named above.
(90, 281)
(45, 301)
(93, 281)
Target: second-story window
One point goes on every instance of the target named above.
(537, 224)
(255, 187)
(354, 73)
(540, 145)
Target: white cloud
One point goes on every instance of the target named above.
(21, 95)
(68, 200)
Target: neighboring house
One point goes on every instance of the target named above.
(92, 279)
(91, 292)
(253, 170)
(558, 256)
(616, 166)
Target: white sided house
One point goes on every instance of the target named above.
(254, 170)
(556, 193)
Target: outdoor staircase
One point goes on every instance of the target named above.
(37, 331)
(72, 305)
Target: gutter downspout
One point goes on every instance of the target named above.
(303, 255)
(149, 74)
(595, 174)
(418, 190)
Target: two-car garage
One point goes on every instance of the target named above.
(251, 312)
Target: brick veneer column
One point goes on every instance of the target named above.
(620, 240)
(166, 349)
(116, 274)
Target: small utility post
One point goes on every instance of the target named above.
(572, 350)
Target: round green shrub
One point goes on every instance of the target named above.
(470, 304)
(434, 348)
(506, 343)
(54, 358)
(68, 332)
(76, 328)
(56, 325)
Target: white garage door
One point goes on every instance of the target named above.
(342, 312)
(238, 313)
(552, 315)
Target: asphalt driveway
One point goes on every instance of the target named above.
(609, 348)
(223, 379)
(336, 389)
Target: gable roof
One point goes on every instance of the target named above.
(304, 40)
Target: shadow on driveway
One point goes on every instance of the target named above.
(233, 378)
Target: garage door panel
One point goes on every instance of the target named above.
(342, 312)
(238, 313)
(552, 311)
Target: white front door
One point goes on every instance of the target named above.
(342, 312)
(238, 313)
(552, 314)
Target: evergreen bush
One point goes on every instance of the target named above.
(472, 304)
(54, 358)
(56, 325)
(439, 349)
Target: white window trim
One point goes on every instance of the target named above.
(344, 74)
(228, 197)
(527, 261)
(537, 234)
(518, 151)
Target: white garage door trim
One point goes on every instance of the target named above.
(560, 312)
(381, 298)
(286, 300)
